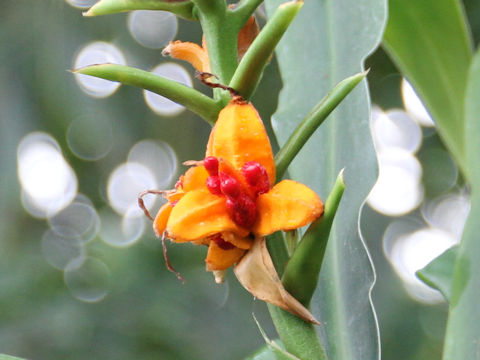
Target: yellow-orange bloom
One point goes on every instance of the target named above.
(227, 200)
(198, 55)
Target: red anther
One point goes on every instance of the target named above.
(256, 176)
(211, 165)
(213, 185)
(173, 203)
(242, 210)
(222, 244)
(178, 184)
(229, 185)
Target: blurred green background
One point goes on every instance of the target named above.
(126, 304)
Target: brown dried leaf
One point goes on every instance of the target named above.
(256, 273)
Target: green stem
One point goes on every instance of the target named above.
(194, 100)
(221, 38)
(182, 9)
(313, 120)
(250, 69)
(301, 273)
(300, 279)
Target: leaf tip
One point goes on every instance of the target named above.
(90, 12)
(341, 177)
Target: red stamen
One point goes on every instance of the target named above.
(213, 185)
(211, 165)
(229, 185)
(242, 210)
(222, 244)
(256, 176)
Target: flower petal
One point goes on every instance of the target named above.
(288, 205)
(200, 214)
(238, 241)
(195, 178)
(190, 52)
(219, 259)
(246, 36)
(160, 222)
(239, 136)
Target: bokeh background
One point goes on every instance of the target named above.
(81, 273)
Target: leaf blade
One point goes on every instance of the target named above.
(429, 41)
(334, 51)
(463, 328)
(438, 274)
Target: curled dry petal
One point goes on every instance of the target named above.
(256, 273)
(246, 36)
(190, 52)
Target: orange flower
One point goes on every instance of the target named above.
(198, 55)
(227, 200)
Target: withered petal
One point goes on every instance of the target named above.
(256, 273)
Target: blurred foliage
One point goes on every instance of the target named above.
(147, 313)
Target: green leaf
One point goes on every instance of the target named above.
(303, 268)
(429, 42)
(463, 327)
(327, 42)
(264, 353)
(183, 9)
(312, 121)
(192, 99)
(272, 350)
(267, 353)
(8, 357)
(438, 274)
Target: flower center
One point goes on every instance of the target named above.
(240, 193)
(222, 244)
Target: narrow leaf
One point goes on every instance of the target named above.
(313, 120)
(249, 71)
(9, 357)
(301, 274)
(182, 8)
(429, 42)
(463, 327)
(439, 273)
(194, 100)
(327, 42)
